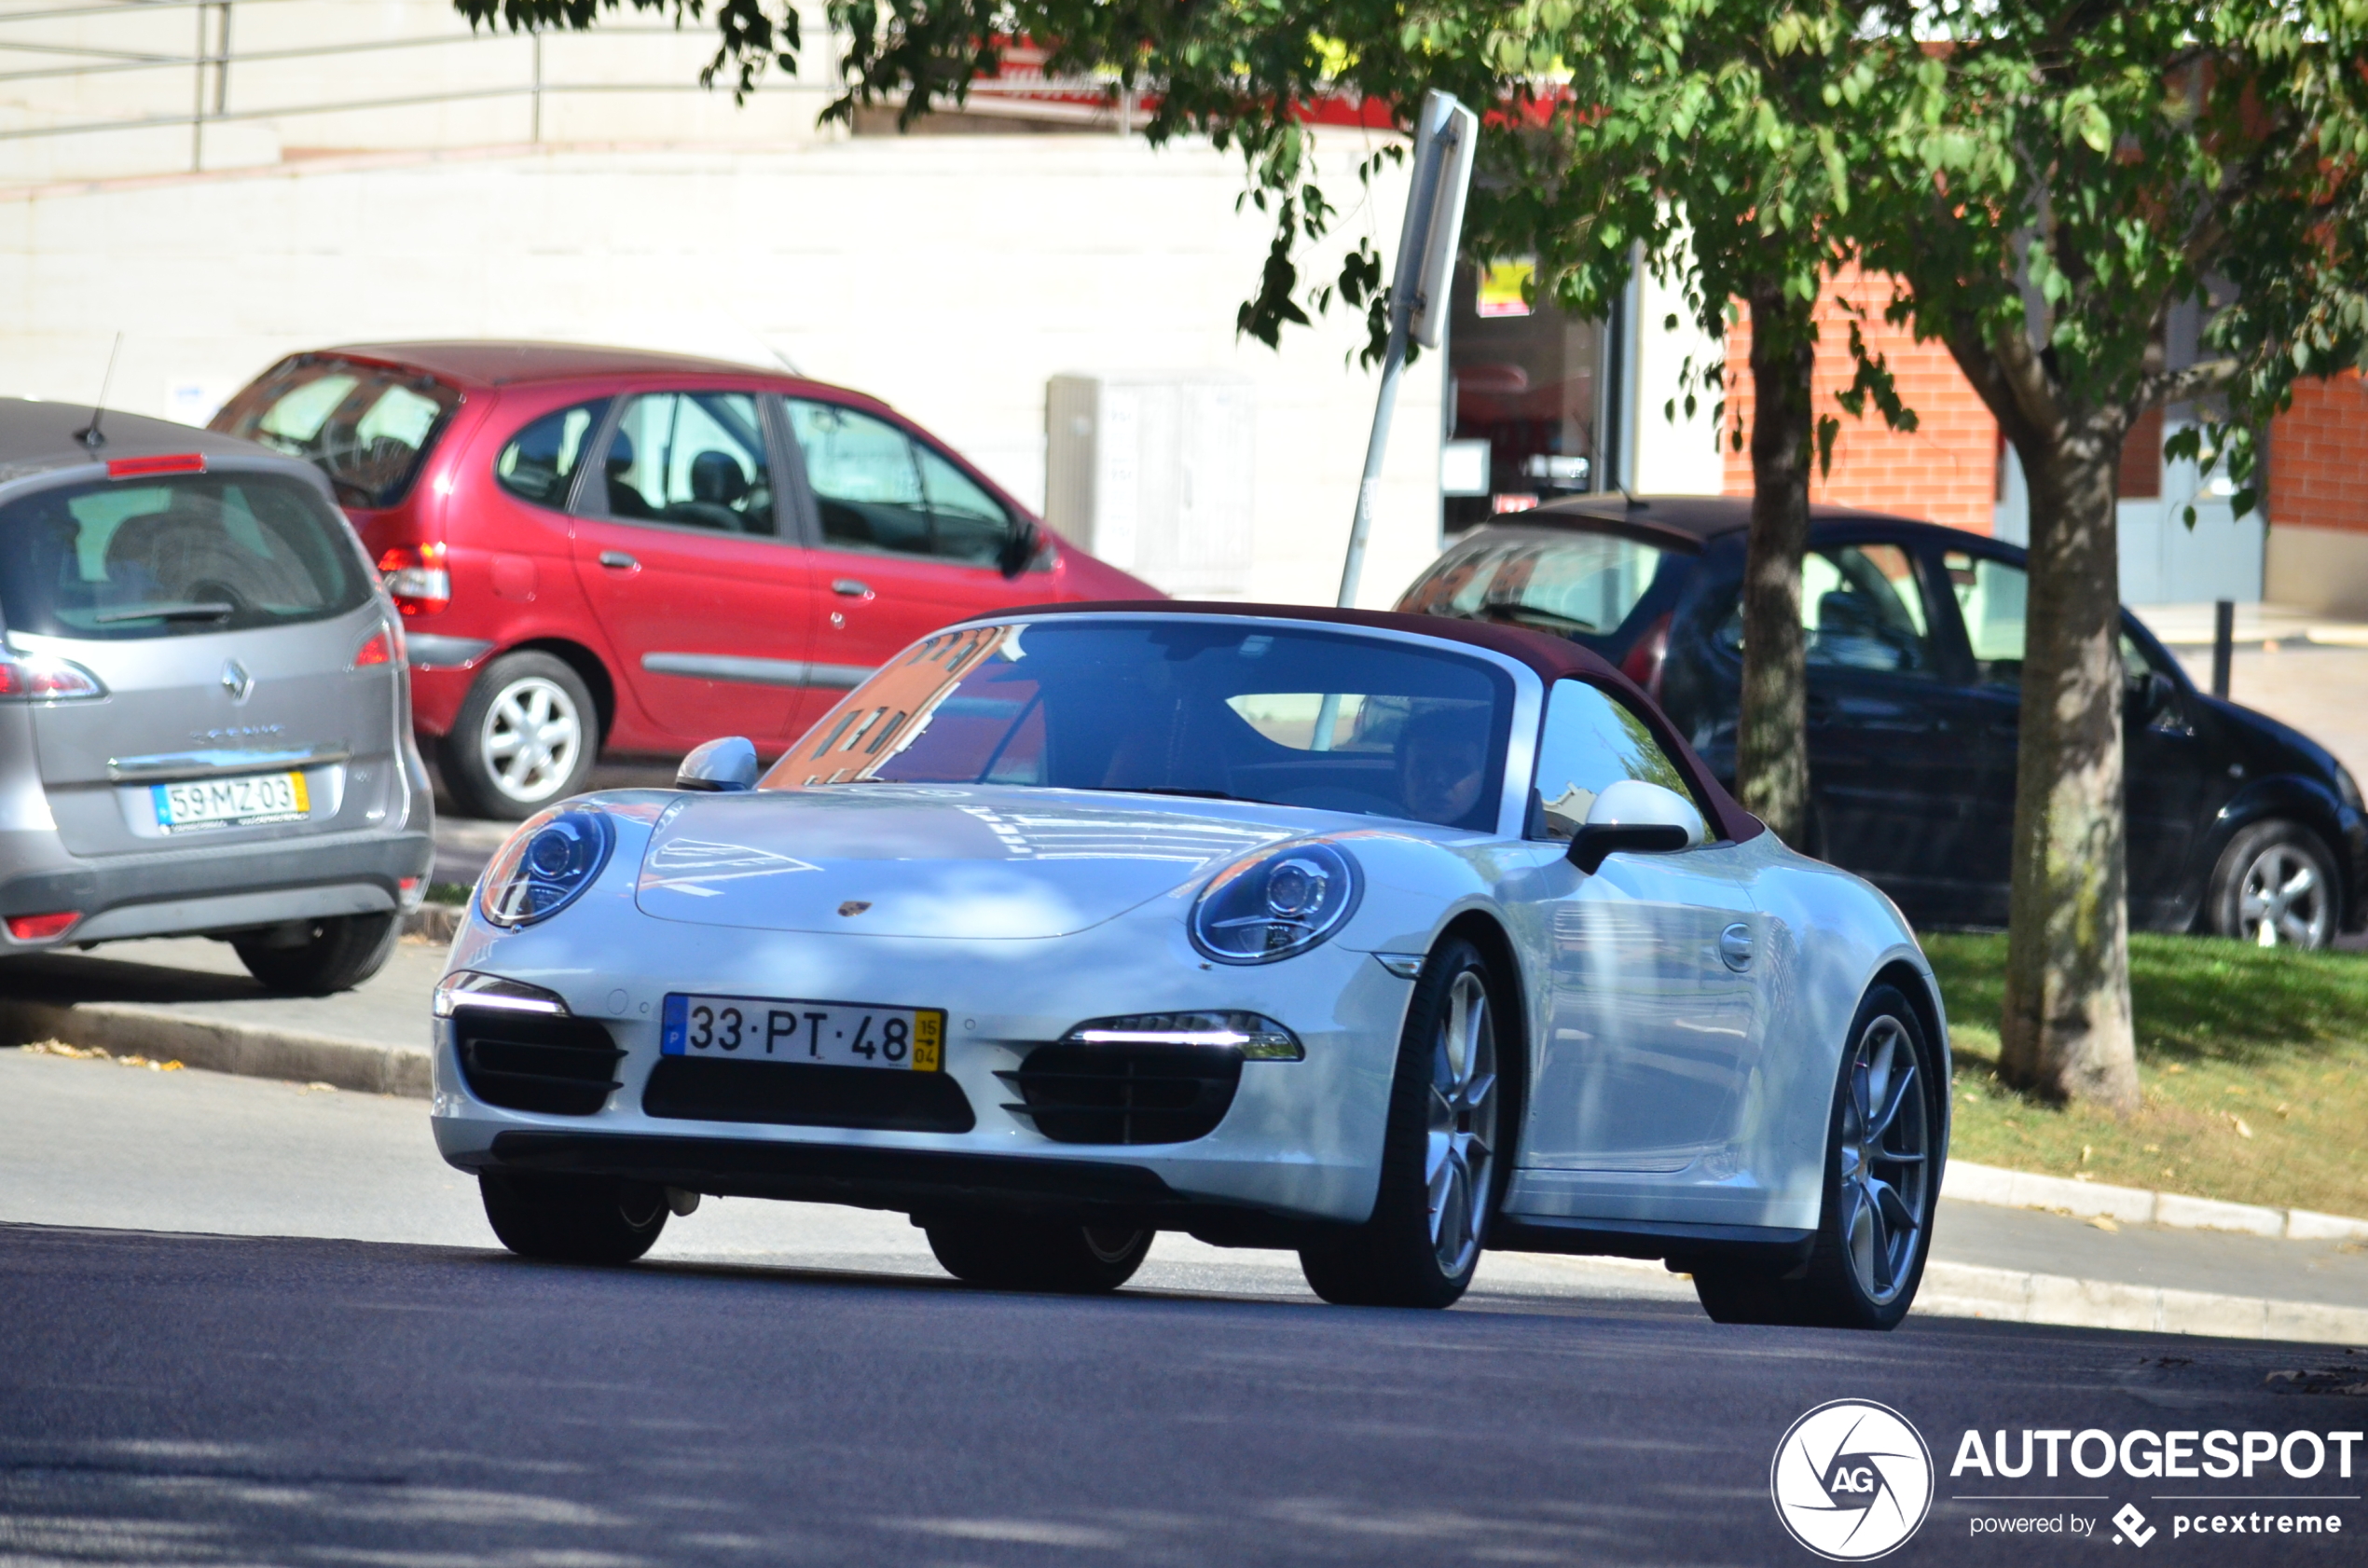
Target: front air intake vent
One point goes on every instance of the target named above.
(801, 1095)
(529, 1061)
(1127, 1093)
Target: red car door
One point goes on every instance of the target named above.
(907, 542)
(680, 553)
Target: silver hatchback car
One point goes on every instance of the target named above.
(204, 710)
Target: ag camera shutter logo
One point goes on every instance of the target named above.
(1852, 1480)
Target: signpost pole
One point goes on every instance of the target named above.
(1419, 289)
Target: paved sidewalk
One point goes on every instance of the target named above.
(189, 998)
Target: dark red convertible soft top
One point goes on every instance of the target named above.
(1551, 657)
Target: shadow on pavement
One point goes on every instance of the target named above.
(70, 977)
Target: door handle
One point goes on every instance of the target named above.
(1735, 946)
(851, 588)
(620, 560)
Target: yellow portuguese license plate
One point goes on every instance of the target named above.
(835, 1034)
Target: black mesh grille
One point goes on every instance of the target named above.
(801, 1095)
(525, 1061)
(1127, 1093)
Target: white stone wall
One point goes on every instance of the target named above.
(952, 275)
(1676, 453)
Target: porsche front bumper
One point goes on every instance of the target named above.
(1300, 1141)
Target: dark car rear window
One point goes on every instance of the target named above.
(175, 557)
(366, 426)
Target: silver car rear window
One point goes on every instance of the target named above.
(174, 555)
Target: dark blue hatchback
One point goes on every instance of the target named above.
(2237, 824)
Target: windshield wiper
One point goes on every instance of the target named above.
(166, 612)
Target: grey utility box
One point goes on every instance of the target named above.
(1151, 471)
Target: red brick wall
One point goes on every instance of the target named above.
(2318, 456)
(1947, 472)
(2142, 459)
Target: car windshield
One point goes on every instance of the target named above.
(1235, 709)
(175, 555)
(365, 426)
(1584, 583)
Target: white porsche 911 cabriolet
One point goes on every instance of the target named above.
(1380, 938)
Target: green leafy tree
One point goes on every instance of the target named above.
(1693, 135)
(2057, 178)
(1712, 141)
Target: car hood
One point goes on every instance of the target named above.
(939, 860)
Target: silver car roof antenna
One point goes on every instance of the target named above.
(89, 434)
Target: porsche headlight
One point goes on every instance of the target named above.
(2347, 786)
(1275, 904)
(546, 866)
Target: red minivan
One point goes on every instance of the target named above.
(605, 548)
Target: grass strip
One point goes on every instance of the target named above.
(2253, 1066)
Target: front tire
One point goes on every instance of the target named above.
(573, 1219)
(526, 735)
(1882, 1182)
(2275, 886)
(1440, 1174)
(334, 953)
(1062, 1257)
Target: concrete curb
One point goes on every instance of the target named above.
(247, 1050)
(1970, 1183)
(2011, 1296)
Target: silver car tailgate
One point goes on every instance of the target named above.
(227, 706)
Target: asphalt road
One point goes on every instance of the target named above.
(787, 1383)
(207, 1400)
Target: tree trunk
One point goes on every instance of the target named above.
(1771, 726)
(2066, 1033)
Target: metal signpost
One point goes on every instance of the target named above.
(1445, 135)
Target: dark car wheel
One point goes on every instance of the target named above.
(573, 1219)
(1440, 1176)
(320, 957)
(1060, 1256)
(2275, 886)
(527, 735)
(1882, 1185)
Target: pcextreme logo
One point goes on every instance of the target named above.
(1852, 1480)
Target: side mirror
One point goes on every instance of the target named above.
(1019, 550)
(727, 764)
(2150, 694)
(1632, 815)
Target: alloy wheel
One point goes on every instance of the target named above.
(2282, 900)
(1884, 1158)
(532, 735)
(1460, 1158)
